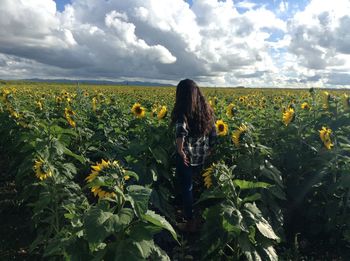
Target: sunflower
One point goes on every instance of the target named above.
(58, 100)
(213, 102)
(207, 175)
(68, 113)
(94, 103)
(13, 113)
(5, 93)
(325, 137)
(138, 111)
(288, 116)
(162, 113)
(221, 127)
(42, 171)
(236, 135)
(105, 169)
(39, 105)
(230, 110)
(154, 111)
(326, 98)
(305, 106)
(65, 94)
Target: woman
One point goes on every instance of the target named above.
(195, 135)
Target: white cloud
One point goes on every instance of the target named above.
(212, 41)
(320, 39)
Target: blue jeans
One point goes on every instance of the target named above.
(186, 175)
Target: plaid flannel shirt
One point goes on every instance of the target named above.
(196, 148)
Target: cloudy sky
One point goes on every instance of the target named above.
(272, 43)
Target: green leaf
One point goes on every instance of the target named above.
(131, 174)
(118, 222)
(159, 221)
(126, 250)
(94, 226)
(245, 184)
(68, 152)
(227, 226)
(69, 170)
(125, 216)
(159, 254)
(265, 229)
(271, 253)
(251, 198)
(269, 171)
(139, 197)
(144, 247)
(58, 146)
(210, 195)
(213, 236)
(160, 155)
(261, 223)
(277, 192)
(252, 234)
(248, 248)
(233, 220)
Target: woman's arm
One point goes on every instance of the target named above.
(180, 150)
(181, 132)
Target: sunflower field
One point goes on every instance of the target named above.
(93, 171)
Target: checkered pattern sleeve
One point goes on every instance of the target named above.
(180, 129)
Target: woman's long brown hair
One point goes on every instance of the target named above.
(191, 105)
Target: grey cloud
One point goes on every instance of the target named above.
(243, 26)
(317, 47)
(342, 41)
(314, 78)
(135, 38)
(250, 75)
(339, 79)
(306, 79)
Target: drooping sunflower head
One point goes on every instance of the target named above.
(162, 113)
(305, 106)
(13, 113)
(213, 101)
(221, 128)
(101, 97)
(325, 136)
(39, 105)
(138, 110)
(68, 113)
(230, 110)
(154, 110)
(94, 103)
(111, 175)
(288, 116)
(5, 93)
(42, 169)
(207, 175)
(58, 100)
(237, 134)
(326, 97)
